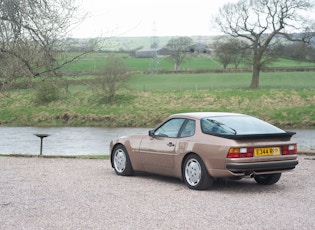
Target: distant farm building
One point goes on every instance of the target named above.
(199, 48)
(147, 53)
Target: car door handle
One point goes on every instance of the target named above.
(170, 144)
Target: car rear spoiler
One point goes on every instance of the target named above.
(283, 136)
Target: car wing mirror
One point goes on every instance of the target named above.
(151, 133)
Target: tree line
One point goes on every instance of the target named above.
(234, 51)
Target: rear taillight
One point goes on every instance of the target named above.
(289, 149)
(240, 152)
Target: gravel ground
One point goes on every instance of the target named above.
(58, 193)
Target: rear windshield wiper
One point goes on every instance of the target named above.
(222, 125)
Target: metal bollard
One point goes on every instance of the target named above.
(41, 136)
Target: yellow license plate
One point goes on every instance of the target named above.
(259, 152)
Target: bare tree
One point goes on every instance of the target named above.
(223, 50)
(178, 49)
(311, 54)
(31, 33)
(240, 51)
(260, 21)
(231, 51)
(296, 50)
(114, 77)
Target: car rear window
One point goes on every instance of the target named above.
(237, 125)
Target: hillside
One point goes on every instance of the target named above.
(132, 43)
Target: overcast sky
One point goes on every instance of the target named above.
(148, 17)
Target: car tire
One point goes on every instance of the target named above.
(121, 161)
(267, 179)
(195, 173)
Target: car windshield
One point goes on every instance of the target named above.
(237, 125)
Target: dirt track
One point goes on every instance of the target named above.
(43, 193)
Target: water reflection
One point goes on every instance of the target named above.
(61, 141)
(67, 141)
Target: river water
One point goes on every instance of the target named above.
(69, 141)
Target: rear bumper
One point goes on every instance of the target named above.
(262, 166)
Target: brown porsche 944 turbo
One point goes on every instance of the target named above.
(200, 147)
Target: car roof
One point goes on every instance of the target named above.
(199, 115)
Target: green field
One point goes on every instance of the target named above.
(214, 81)
(94, 61)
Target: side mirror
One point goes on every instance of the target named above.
(151, 133)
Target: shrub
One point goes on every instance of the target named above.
(47, 91)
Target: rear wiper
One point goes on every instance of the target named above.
(221, 125)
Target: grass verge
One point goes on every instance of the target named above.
(286, 108)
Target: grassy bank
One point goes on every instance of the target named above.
(284, 99)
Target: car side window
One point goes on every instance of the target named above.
(170, 128)
(189, 129)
